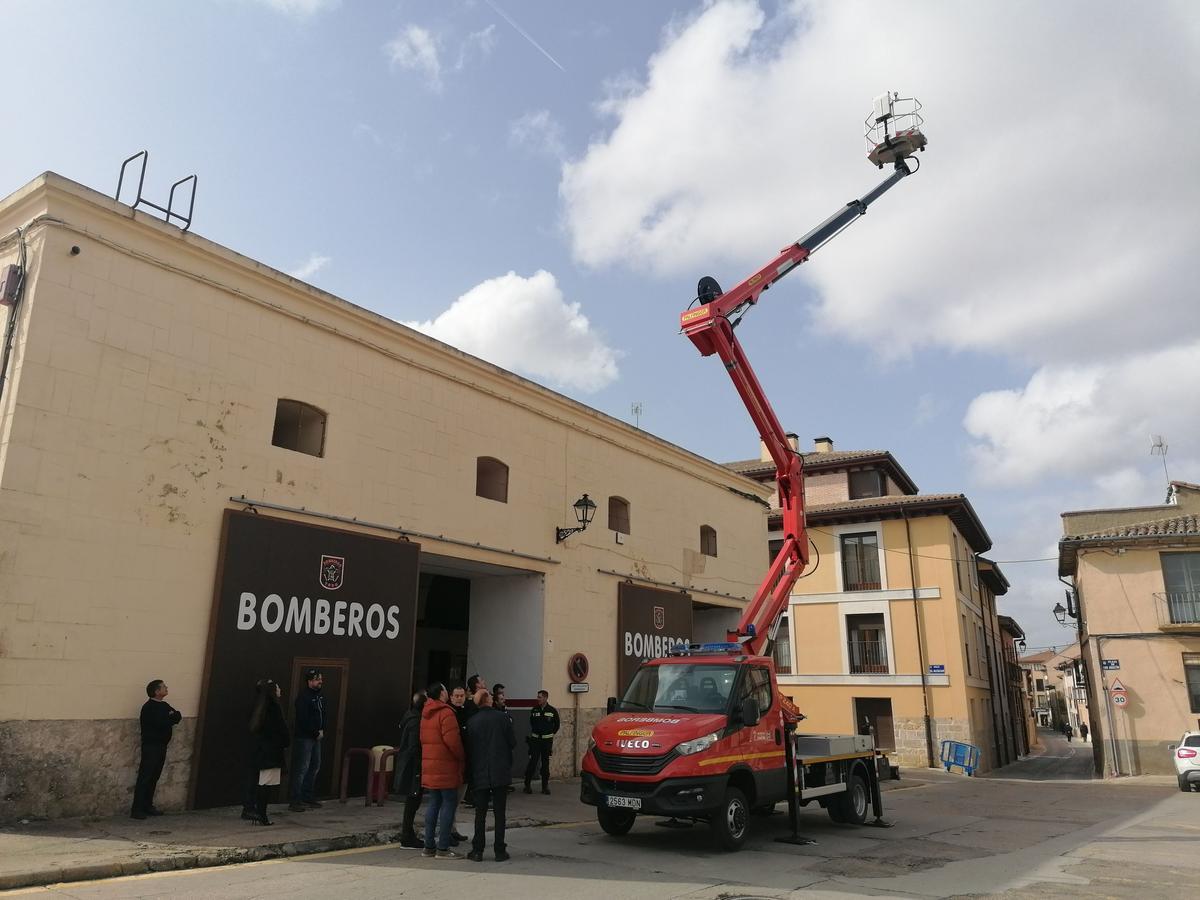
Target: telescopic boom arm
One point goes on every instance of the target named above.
(710, 328)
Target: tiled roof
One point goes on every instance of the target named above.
(1176, 525)
(746, 466)
(831, 459)
(956, 506)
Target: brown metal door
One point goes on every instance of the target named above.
(337, 680)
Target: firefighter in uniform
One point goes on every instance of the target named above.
(543, 725)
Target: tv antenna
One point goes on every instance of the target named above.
(635, 410)
(1158, 447)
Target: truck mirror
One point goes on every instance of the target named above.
(612, 705)
(750, 713)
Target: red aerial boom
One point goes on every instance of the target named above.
(710, 327)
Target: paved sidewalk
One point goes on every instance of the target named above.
(48, 852)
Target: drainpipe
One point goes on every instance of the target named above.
(916, 601)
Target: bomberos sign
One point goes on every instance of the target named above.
(650, 623)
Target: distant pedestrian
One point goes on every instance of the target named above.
(491, 740)
(543, 725)
(306, 750)
(408, 770)
(1068, 731)
(442, 760)
(271, 738)
(156, 719)
(1083, 731)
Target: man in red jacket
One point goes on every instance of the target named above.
(442, 760)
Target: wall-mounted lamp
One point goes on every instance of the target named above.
(1021, 645)
(585, 509)
(1061, 612)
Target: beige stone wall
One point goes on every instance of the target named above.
(54, 767)
(143, 397)
(826, 487)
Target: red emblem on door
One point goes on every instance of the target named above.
(660, 618)
(333, 568)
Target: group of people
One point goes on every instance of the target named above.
(465, 737)
(448, 739)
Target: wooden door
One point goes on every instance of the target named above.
(337, 680)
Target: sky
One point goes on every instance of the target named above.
(542, 182)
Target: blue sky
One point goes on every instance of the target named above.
(541, 183)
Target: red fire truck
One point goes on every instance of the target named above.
(705, 734)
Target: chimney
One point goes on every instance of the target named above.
(792, 438)
(823, 444)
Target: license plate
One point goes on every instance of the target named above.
(624, 802)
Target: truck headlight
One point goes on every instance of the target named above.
(687, 748)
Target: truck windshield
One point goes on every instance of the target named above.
(680, 686)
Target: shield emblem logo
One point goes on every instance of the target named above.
(660, 618)
(333, 568)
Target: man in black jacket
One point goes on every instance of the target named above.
(490, 741)
(157, 719)
(306, 749)
(543, 725)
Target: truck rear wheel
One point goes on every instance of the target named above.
(850, 808)
(616, 822)
(731, 822)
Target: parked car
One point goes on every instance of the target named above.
(1187, 761)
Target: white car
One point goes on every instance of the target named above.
(1187, 761)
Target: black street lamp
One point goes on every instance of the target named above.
(585, 509)
(1060, 613)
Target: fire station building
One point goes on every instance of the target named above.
(211, 472)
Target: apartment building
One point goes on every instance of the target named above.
(886, 631)
(1136, 602)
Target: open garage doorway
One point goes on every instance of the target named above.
(479, 617)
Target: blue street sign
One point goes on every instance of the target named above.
(937, 669)
(1110, 665)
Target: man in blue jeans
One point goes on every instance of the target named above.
(442, 760)
(306, 746)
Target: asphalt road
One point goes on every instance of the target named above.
(954, 836)
(1063, 759)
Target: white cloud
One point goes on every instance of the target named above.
(525, 325)
(538, 131)
(301, 9)
(477, 43)
(1091, 420)
(1057, 195)
(311, 266)
(415, 48)
(420, 50)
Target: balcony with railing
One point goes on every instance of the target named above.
(1177, 609)
(867, 657)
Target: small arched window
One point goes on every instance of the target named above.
(618, 514)
(708, 540)
(300, 427)
(491, 479)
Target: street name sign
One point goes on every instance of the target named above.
(1110, 665)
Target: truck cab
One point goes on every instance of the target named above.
(695, 737)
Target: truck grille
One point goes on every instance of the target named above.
(620, 764)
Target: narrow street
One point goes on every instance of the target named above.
(1062, 760)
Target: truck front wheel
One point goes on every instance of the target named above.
(850, 808)
(731, 822)
(616, 822)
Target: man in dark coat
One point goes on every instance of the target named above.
(157, 719)
(306, 748)
(543, 725)
(491, 741)
(408, 770)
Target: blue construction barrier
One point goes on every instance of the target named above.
(965, 756)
